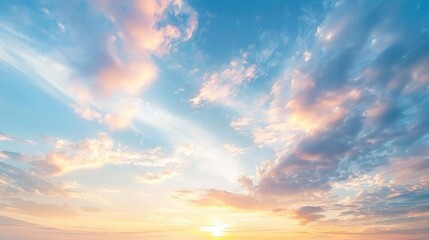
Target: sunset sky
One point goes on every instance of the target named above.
(214, 119)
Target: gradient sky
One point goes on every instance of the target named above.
(214, 119)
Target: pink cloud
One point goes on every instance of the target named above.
(290, 118)
(144, 29)
(86, 112)
(221, 86)
(307, 214)
(410, 170)
(121, 112)
(130, 78)
(221, 198)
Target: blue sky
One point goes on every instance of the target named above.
(214, 119)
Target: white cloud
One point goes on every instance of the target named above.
(234, 150)
(240, 123)
(5, 137)
(307, 56)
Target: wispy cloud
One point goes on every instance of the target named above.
(5, 137)
(222, 86)
(16, 181)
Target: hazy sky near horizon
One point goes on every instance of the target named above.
(174, 119)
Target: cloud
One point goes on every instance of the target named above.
(5, 137)
(407, 170)
(86, 112)
(220, 198)
(145, 25)
(8, 221)
(345, 116)
(13, 155)
(386, 204)
(129, 79)
(240, 123)
(307, 214)
(311, 164)
(15, 181)
(307, 56)
(93, 153)
(121, 114)
(150, 177)
(86, 154)
(246, 183)
(395, 192)
(16, 205)
(145, 29)
(351, 114)
(222, 86)
(234, 150)
(124, 111)
(99, 67)
(323, 118)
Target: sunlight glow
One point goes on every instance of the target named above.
(216, 230)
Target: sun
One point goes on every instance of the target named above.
(216, 230)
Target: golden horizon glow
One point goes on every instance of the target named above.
(218, 229)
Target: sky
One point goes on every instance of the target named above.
(198, 119)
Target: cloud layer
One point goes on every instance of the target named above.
(305, 118)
